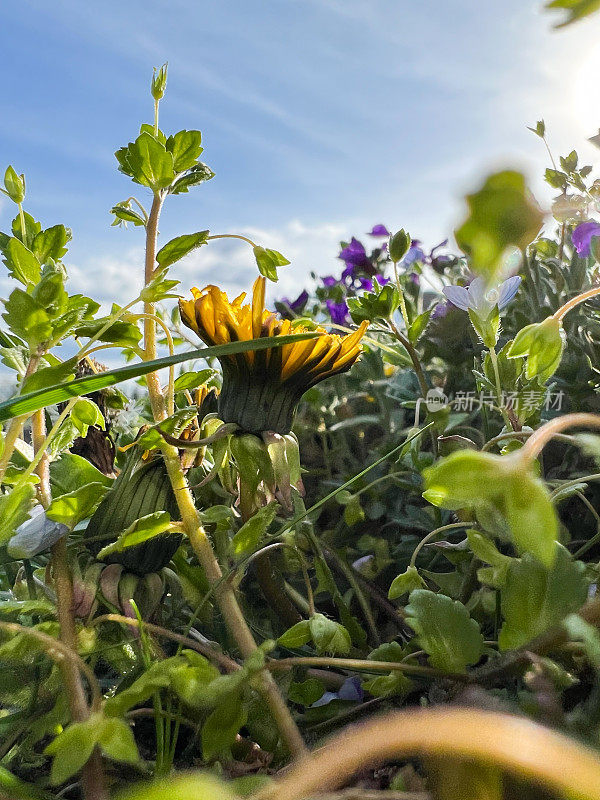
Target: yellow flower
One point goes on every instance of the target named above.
(262, 389)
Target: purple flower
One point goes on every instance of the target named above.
(379, 230)
(414, 254)
(481, 300)
(414, 278)
(354, 254)
(351, 691)
(338, 312)
(297, 304)
(367, 283)
(440, 311)
(330, 281)
(583, 235)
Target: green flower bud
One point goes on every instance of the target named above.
(398, 246)
(542, 343)
(159, 82)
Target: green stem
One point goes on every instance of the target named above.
(503, 411)
(452, 526)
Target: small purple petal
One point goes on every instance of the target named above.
(582, 237)
(508, 290)
(414, 254)
(458, 296)
(366, 284)
(414, 278)
(440, 311)
(381, 280)
(351, 690)
(354, 254)
(477, 290)
(379, 230)
(338, 312)
(330, 281)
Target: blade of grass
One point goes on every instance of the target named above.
(34, 401)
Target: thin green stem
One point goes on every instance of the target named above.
(452, 526)
(231, 236)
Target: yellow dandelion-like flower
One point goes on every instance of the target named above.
(261, 389)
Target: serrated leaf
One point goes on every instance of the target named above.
(51, 243)
(21, 262)
(445, 630)
(186, 147)
(328, 635)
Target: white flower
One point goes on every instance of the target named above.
(480, 299)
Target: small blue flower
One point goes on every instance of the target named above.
(350, 691)
(582, 237)
(415, 253)
(477, 297)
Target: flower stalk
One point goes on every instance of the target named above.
(199, 541)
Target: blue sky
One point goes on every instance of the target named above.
(320, 118)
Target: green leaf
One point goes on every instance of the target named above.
(179, 247)
(406, 582)
(328, 635)
(267, 262)
(247, 539)
(576, 9)
(222, 726)
(14, 185)
(502, 214)
(123, 333)
(543, 344)
(27, 318)
(51, 243)
(484, 481)
(124, 213)
(143, 529)
(14, 509)
(21, 262)
(399, 245)
(159, 288)
(296, 636)
(149, 162)
(445, 630)
(191, 380)
(186, 147)
(534, 598)
(193, 177)
(418, 325)
(71, 471)
(555, 178)
(84, 414)
(93, 383)
(116, 740)
(71, 749)
(157, 676)
(74, 506)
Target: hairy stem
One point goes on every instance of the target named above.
(199, 541)
(540, 438)
(92, 773)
